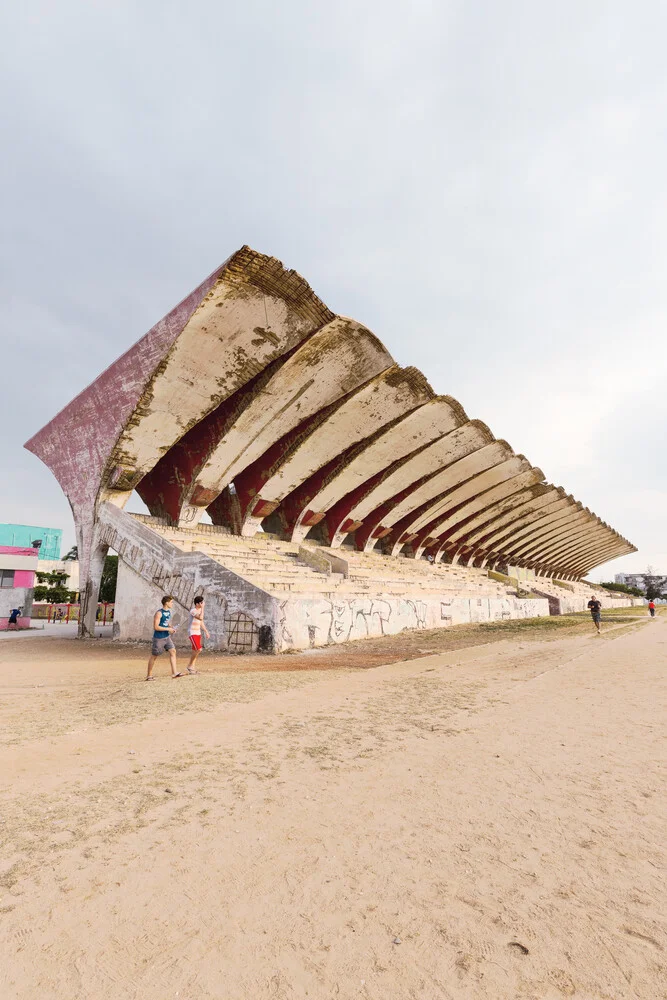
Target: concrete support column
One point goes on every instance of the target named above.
(90, 589)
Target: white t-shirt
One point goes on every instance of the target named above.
(194, 627)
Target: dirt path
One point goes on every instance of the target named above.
(486, 822)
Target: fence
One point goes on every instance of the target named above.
(62, 613)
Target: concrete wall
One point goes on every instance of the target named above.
(149, 567)
(15, 597)
(305, 623)
(241, 617)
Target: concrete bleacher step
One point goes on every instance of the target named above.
(274, 565)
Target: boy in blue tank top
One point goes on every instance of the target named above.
(162, 637)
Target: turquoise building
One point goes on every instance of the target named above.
(23, 535)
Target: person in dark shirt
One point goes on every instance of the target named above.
(595, 608)
(162, 637)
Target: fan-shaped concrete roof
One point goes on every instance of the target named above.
(251, 400)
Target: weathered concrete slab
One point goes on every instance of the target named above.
(326, 441)
(308, 505)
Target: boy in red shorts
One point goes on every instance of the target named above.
(195, 630)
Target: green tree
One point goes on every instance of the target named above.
(51, 587)
(72, 555)
(654, 585)
(109, 577)
(622, 588)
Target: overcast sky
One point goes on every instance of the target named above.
(481, 183)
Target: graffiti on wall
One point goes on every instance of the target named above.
(329, 621)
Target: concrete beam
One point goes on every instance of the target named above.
(448, 519)
(333, 362)
(565, 524)
(508, 513)
(551, 554)
(562, 553)
(417, 519)
(502, 519)
(360, 417)
(365, 468)
(524, 522)
(616, 547)
(369, 504)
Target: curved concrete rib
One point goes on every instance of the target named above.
(383, 401)
(574, 553)
(503, 517)
(563, 523)
(254, 313)
(459, 550)
(597, 560)
(567, 549)
(308, 504)
(492, 457)
(570, 571)
(554, 517)
(363, 509)
(554, 555)
(462, 482)
(524, 527)
(458, 547)
(432, 524)
(436, 534)
(548, 502)
(581, 569)
(541, 550)
(333, 362)
(410, 526)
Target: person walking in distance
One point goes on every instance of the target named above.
(651, 608)
(195, 629)
(14, 616)
(595, 608)
(162, 637)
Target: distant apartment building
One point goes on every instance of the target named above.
(26, 536)
(631, 579)
(50, 544)
(68, 566)
(25, 550)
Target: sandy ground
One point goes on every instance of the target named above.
(484, 821)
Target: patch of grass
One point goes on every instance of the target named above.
(575, 621)
(531, 624)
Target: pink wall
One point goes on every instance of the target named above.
(24, 578)
(13, 550)
(77, 443)
(23, 623)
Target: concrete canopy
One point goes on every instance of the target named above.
(501, 518)
(548, 505)
(252, 400)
